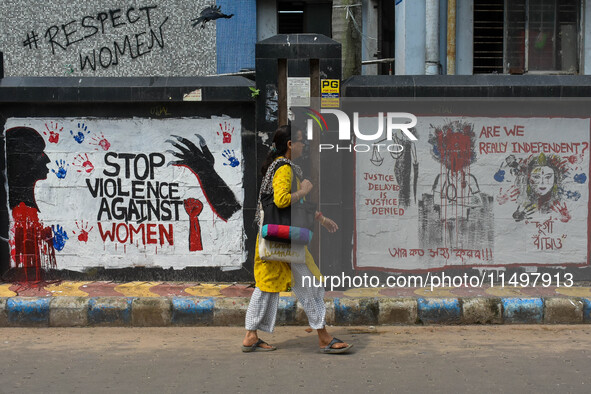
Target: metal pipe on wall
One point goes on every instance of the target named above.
(451, 37)
(432, 37)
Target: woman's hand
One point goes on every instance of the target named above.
(306, 187)
(328, 224)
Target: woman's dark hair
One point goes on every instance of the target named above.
(279, 147)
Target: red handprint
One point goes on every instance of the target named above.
(227, 133)
(562, 210)
(502, 197)
(84, 163)
(54, 131)
(193, 207)
(100, 142)
(83, 231)
(575, 159)
(511, 194)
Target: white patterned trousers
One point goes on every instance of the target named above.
(262, 309)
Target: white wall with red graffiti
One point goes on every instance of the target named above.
(474, 192)
(114, 193)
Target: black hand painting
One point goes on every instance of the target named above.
(525, 213)
(200, 161)
(210, 13)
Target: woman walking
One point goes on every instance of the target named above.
(273, 277)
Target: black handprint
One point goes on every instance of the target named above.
(526, 213)
(200, 160)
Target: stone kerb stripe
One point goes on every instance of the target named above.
(482, 310)
(439, 310)
(151, 312)
(3, 313)
(192, 311)
(68, 311)
(28, 311)
(586, 310)
(523, 310)
(110, 311)
(397, 311)
(563, 310)
(356, 311)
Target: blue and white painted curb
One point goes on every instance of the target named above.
(523, 310)
(192, 311)
(223, 311)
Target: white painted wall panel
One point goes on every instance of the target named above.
(64, 197)
(489, 192)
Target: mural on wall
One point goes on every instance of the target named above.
(490, 192)
(125, 192)
(455, 213)
(108, 38)
(32, 243)
(210, 13)
(406, 167)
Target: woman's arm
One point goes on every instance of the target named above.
(282, 181)
(282, 186)
(325, 222)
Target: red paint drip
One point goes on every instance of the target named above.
(33, 243)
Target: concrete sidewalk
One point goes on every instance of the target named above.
(74, 304)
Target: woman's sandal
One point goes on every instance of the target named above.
(330, 350)
(256, 347)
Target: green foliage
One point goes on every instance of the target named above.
(254, 92)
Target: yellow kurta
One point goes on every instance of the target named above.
(275, 276)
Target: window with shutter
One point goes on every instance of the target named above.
(526, 36)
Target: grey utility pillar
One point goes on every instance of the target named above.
(284, 56)
(290, 69)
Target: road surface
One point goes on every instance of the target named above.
(447, 359)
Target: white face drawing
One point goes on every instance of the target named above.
(541, 180)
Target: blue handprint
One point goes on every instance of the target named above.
(82, 131)
(61, 170)
(59, 237)
(231, 156)
(580, 178)
(500, 176)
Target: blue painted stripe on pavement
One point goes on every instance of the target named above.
(358, 311)
(523, 310)
(192, 311)
(287, 303)
(340, 308)
(442, 310)
(286, 310)
(102, 312)
(23, 310)
(586, 310)
(343, 314)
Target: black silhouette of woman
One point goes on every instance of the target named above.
(32, 245)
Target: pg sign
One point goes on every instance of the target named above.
(329, 93)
